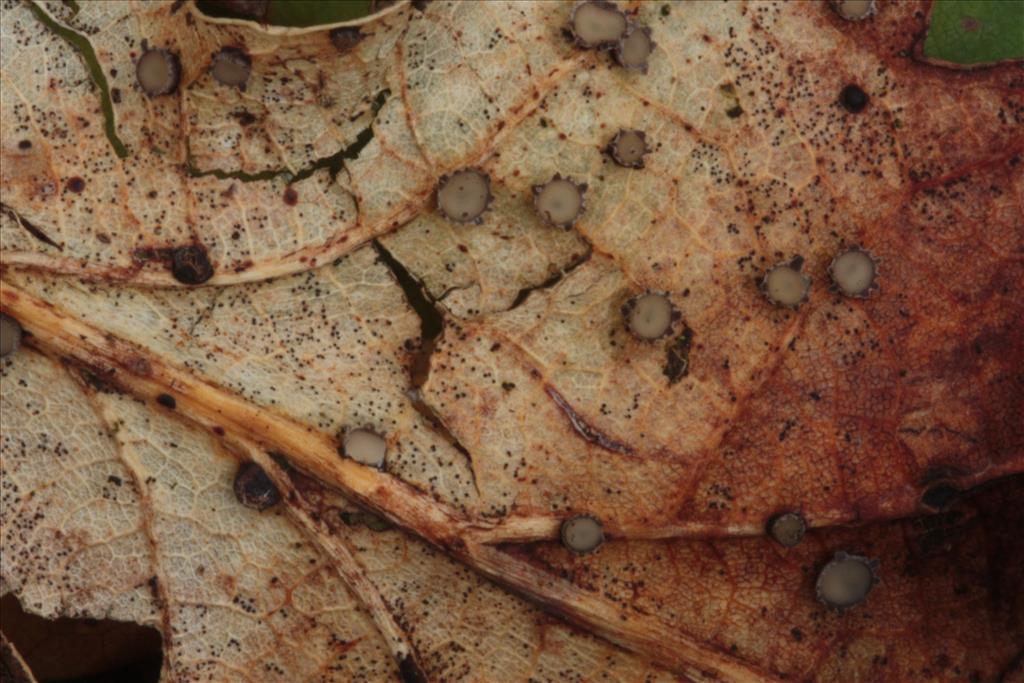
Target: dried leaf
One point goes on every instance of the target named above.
(775, 132)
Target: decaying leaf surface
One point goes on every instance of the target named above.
(946, 605)
(540, 403)
(113, 510)
(761, 164)
(306, 101)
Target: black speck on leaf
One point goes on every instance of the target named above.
(191, 265)
(853, 98)
(410, 671)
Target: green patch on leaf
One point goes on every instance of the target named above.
(971, 32)
(314, 12)
(290, 12)
(81, 44)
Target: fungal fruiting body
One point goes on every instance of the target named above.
(650, 316)
(788, 529)
(190, 265)
(854, 10)
(10, 335)
(345, 38)
(846, 580)
(559, 201)
(596, 23)
(231, 67)
(853, 98)
(854, 272)
(582, 534)
(254, 489)
(464, 195)
(785, 285)
(634, 47)
(628, 148)
(157, 72)
(365, 446)
(367, 519)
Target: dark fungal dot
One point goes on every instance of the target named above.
(854, 10)
(10, 335)
(582, 534)
(75, 184)
(254, 489)
(785, 285)
(345, 38)
(846, 580)
(24, 144)
(410, 671)
(244, 118)
(231, 66)
(291, 196)
(367, 519)
(464, 196)
(190, 265)
(157, 72)
(650, 315)
(677, 356)
(596, 23)
(560, 201)
(853, 98)
(634, 48)
(365, 446)
(787, 529)
(628, 148)
(734, 112)
(854, 272)
(167, 401)
(940, 497)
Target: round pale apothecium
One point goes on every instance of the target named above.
(628, 148)
(596, 24)
(785, 285)
(157, 72)
(365, 446)
(464, 195)
(634, 48)
(560, 201)
(846, 580)
(854, 272)
(582, 534)
(231, 67)
(650, 315)
(855, 10)
(788, 528)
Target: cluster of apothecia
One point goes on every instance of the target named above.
(853, 271)
(464, 196)
(158, 73)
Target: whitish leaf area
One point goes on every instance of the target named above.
(253, 271)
